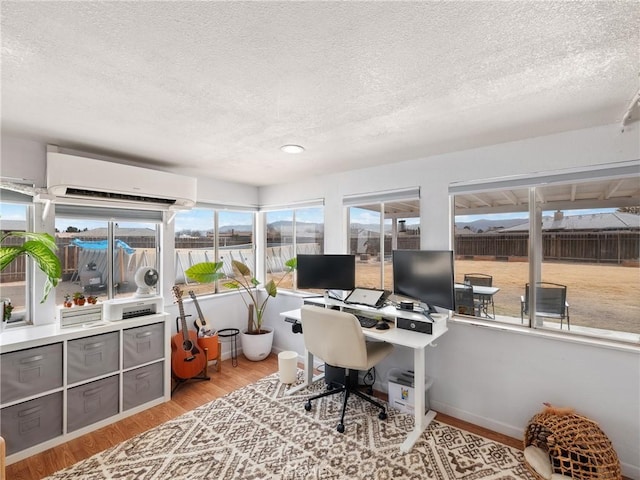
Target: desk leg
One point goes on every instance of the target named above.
(308, 374)
(422, 421)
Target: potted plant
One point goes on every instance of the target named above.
(78, 298)
(256, 340)
(41, 247)
(67, 301)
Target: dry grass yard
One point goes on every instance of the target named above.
(600, 296)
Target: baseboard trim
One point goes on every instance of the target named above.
(488, 423)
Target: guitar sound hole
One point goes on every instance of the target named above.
(187, 345)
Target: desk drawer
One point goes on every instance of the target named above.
(29, 372)
(143, 385)
(27, 424)
(92, 356)
(89, 403)
(143, 344)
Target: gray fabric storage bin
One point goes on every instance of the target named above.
(91, 402)
(143, 344)
(29, 372)
(29, 423)
(92, 356)
(142, 385)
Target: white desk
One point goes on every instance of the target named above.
(404, 338)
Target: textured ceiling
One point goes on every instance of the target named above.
(215, 88)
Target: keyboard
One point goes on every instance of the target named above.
(366, 322)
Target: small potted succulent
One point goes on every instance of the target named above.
(7, 308)
(78, 298)
(92, 299)
(67, 301)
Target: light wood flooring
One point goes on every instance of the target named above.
(186, 397)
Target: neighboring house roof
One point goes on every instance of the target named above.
(594, 221)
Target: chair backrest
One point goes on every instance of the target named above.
(550, 297)
(464, 299)
(334, 336)
(478, 279)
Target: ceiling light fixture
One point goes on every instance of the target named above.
(292, 149)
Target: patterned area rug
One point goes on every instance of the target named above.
(259, 433)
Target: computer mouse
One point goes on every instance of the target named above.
(382, 325)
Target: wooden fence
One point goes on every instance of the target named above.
(588, 247)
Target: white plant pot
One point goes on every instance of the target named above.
(256, 347)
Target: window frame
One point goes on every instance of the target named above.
(537, 204)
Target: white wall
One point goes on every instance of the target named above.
(494, 378)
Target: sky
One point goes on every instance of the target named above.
(201, 219)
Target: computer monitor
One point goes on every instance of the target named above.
(328, 272)
(426, 276)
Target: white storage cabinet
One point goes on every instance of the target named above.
(60, 383)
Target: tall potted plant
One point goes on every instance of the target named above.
(256, 340)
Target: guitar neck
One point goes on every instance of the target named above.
(195, 302)
(183, 317)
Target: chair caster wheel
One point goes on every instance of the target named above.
(307, 406)
(340, 428)
(382, 415)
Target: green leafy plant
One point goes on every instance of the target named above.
(41, 247)
(244, 280)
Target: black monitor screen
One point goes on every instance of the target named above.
(425, 275)
(329, 272)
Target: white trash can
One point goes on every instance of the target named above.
(288, 366)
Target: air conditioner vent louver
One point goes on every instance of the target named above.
(119, 196)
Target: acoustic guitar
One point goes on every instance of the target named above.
(200, 323)
(186, 360)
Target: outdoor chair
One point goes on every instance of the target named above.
(551, 302)
(483, 301)
(465, 304)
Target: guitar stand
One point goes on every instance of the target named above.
(204, 376)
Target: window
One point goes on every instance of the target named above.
(209, 235)
(289, 233)
(492, 245)
(379, 224)
(101, 253)
(581, 233)
(13, 279)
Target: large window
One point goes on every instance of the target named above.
(563, 252)
(102, 249)
(212, 235)
(379, 224)
(289, 233)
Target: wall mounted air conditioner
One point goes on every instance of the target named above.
(71, 176)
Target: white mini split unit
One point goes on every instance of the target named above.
(75, 177)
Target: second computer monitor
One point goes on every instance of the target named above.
(426, 276)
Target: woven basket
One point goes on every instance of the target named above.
(577, 447)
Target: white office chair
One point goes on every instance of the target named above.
(336, 337)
